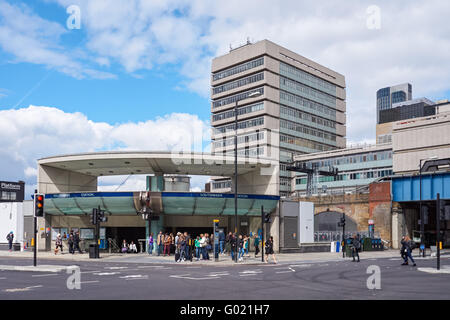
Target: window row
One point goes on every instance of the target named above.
(243, 110)
(366, 157)
(236, 97)
(307, 91)
(308, 78)
(294, 113)
(238, 69)
(306, 130)
(221, 185)
(241, 139)
(247, 152)
(289, 97)
(305, 143)
(350, 176)
(238, 83)
(241, 125)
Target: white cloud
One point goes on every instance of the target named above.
(412, 44)
(29, 134)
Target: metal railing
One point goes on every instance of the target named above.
(329, 236)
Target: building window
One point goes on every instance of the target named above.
(236, 97)
(238, 69)
(243, 110)
(307, 91)
(238, 83)
(241, 125)
(311, 105)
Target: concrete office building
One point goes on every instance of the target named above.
(387, 97)
(301, 108)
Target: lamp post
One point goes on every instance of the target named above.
(422, 225)
(251, 95)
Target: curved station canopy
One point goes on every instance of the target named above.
(171, 203)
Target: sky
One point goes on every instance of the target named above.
(93, 75)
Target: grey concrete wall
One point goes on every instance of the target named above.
(55, 180)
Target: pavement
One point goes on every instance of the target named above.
(224, 260)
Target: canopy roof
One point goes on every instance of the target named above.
(176, 203)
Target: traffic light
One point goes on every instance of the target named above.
(267, 218)
(101, 216)
(94, 216)
(444, 213)
(341, 223)
(39, 205)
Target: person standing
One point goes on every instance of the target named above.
(167, 244)
(58, 243)
(356, 246)
(408, 247)
(76, 241)
(160, 242)
(228, 242)
(187, 252)
(256, 245)
(197, 248)
(269, 250)
(233, 246)
(10, 238)
(70, 242)
(150, 244)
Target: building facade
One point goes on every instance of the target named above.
(301, 107)
(388, 96)
(357, 168)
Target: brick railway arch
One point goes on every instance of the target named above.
(328, 220)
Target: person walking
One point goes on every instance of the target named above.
(70, 243)
(228, 243)
(58, 243)
(246, 242)
(10, 239)
(269, 250)
(187, 250)
(256, 244)
(408, 247)
(76, 241)
(150, 244)
(356, 246)
(208, 245)
(160, 242)
(240, 248)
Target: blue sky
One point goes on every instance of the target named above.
(136, 75)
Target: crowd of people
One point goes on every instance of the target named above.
(200, 247)
(73, 240)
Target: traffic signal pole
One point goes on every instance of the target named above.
(438, 232)
(35, 242)
(343, 235)
(262, 234)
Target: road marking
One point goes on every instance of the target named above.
(89, 281)
(192, 278)
(106, 273)
(115, 268)
(283, 271)
(133, 276)
(2, 278)
(90, 271)
(251, 271)
(291, 269)
(44, 275)
(300, 265)
(142, 267)
(215, 274)
(22, 289)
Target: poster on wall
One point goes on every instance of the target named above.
(87, 234)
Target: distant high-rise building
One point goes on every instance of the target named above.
(388, 96)
(301, 107)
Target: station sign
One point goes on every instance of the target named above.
(12, 191)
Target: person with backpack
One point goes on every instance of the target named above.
(408, 247)
(356, 246)
(10, 238)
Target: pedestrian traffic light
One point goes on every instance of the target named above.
(444, 213)
(39, 205)
(267, 218)
(341, 223)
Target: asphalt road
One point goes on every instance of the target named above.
(291, 281)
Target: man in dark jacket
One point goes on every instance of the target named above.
(76, 241)
(70, 242)
(233, 243)
(10, 238)
(356, 246)
(407, 247)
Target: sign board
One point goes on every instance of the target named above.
(371, 222)
(12, 191)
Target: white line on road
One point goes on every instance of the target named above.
(2, 278)
(133, 276)
(284, 271)
(44, 275)
(90, 271)
(22, 289)
(89, 281)
(106, 273)
(116, 268)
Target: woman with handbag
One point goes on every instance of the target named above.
(269, 250)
